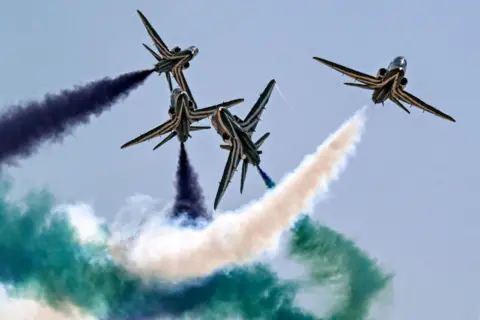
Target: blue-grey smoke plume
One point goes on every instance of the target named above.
(24, 127)
(189, 200)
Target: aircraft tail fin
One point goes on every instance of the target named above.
(245, 163)
(359, 85)
(169, 80)
(170, 136)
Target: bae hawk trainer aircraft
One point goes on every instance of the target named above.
(389, 83)
(237, 135)
(182, 115)
(175, 60)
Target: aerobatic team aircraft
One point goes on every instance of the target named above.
(389, 83)
(175, 60)
(237, 135)
(182, 116)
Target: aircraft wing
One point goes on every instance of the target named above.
(159, 58)
(203, 113)
(234, 157)
(166, 127)
(409, 98)
(182, 82)
(161, 46)
(230, 167)
(253, 117)
(356, 75)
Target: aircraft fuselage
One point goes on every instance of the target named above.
(221, 121)
(381, 94)
(182, 57)
(180, 103)
(393, 76)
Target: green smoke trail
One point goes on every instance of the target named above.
(326, 254)
(41, 256)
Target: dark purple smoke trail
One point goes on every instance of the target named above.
(23, 128)
(189, 200)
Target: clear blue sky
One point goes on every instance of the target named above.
(408, 197)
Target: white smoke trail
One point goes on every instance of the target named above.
(234, 238)
(87, 225)
(30, 309)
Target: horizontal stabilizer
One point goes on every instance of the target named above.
(225, 146)
(170, 136)
(244, 175)
(398, 103)
(262, 139)
(196, 128)
(156, 55)
(359, 85)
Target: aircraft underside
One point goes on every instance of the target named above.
(380, 95)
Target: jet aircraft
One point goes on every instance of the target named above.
(173, 60)
(389, 83)
(237, 136)
(182, 115)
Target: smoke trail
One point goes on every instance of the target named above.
(25, 127)
(189, 199)
(28, 309)
(62, 270)
(313, 244)
(42, 256)
(266, 179)
(238, 238)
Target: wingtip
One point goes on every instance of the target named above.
(237, 101)
(217, 201)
